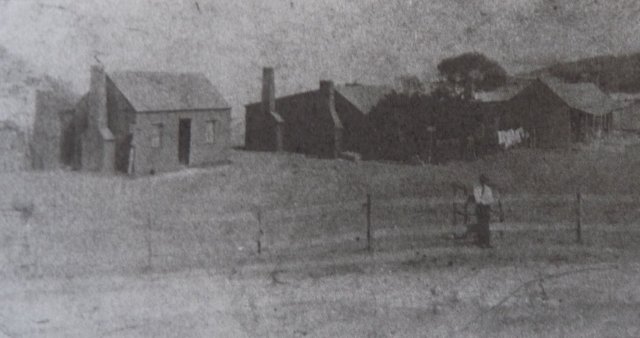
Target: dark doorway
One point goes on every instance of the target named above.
(184, 141)
(123, 153)
(68, 145)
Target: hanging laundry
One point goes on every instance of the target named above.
(516, 137)
(512, 137)
(501, 138)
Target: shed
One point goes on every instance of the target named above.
(556, 113)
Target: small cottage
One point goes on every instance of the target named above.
(323, 122)
(148, 122)
(555, 113)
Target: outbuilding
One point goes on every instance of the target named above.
(557, 113)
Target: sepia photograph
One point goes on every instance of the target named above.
(319, 168)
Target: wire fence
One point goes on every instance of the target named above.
(372, 223)
(33, 247)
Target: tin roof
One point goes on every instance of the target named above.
(584, 96)
(162, 91)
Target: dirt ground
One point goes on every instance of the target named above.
(525, 286)
(175, 256)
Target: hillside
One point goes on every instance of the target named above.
(612, 73)
(300, 200)
(18, 83)
(176, 254)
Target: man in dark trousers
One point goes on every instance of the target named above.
(483, 196)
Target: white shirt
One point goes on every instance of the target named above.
(483, 195)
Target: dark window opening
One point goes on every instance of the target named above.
(184, 141)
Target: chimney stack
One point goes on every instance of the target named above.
(327, 107)
(327, 96)
(268, 91)
(98, 97)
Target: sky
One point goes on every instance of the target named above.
(366, 41)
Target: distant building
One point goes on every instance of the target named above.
(52, 140)
(495, 111)
(323, 122)
(556, 113)
(147, 122)
(13, 147)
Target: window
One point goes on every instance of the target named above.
(210, 132)
(156, 135)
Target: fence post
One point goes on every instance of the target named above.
(368, 211)
(260, 232)
(578, 217)
(149, 247)
(454, 219)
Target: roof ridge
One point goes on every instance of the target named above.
(168, 91)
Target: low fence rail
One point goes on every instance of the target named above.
(372, 223)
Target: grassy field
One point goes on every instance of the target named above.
(176, 254)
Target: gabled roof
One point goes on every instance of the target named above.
(162, 91)
(586, 97)
(363, 97)
(503, 93)
(286, 97)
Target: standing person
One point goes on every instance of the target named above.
(484, 199)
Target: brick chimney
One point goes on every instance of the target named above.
(268, 91)
(98, 98)
(98, 147)
(327, 96)
(327, 108)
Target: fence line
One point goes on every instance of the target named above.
(371, 223)
(549, 212)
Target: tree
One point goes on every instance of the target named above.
(469, 72)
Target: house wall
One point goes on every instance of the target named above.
(165, 157)
(544, 115)
(488, 119)
(95, 153)
(298, 112)
(308, 127)
(120, 116)
(260, 130)
(51, 122)
(357, 132)
(13, 147)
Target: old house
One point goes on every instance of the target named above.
(557, 113)
(52, 140)
(147, 122)
(323, 122)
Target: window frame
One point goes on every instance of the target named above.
(157, 134)
(210, 131)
